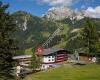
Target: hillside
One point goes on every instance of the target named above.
(80, 23)
(32, 30)
(75, 29)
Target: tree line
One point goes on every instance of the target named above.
(87, 38)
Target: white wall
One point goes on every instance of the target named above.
(46, 66)
(48, 59)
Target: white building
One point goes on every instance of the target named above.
(49, 58)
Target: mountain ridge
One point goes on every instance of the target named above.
(59, 13)
(32, 30)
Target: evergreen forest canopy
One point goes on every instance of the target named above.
(7, 44)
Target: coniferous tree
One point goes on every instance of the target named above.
(90, 37)
(85, 40)
(35, 61)
(7, 44)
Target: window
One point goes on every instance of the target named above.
(49, 60)
(52, 59)
(49, 56)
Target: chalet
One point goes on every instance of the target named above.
(23, 60)
(22, 66)
(49, 58)
(83, 55)
(53, 56)
(87, 57)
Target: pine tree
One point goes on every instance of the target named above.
(7, 44)
(90, 37)
(35, 61)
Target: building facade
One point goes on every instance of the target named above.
(49, 58)
(52, 56)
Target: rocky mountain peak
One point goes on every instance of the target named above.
(58, 13)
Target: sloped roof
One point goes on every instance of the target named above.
(22, 56)
(51, 51)
(45, 52)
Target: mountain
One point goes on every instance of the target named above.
(59, 13)
(80, 23)
(63, 12)
(32, 30)
(76, 29)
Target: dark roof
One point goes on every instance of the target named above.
(51, 51)
(48, 51)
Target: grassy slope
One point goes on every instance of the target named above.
(63, 32)
(61, 45)
(88, 72)
(28, 51)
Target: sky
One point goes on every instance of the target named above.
(39, 7)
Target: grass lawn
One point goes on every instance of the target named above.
(28, 51)
(86, 72)
(61, 45)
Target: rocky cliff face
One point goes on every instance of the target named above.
(58, 13)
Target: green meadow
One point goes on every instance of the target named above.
(83, 72)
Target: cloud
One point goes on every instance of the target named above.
(62, 2)
(93, 12)
(57, 2)
(25, 0)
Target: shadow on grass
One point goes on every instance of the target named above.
(80, 64)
